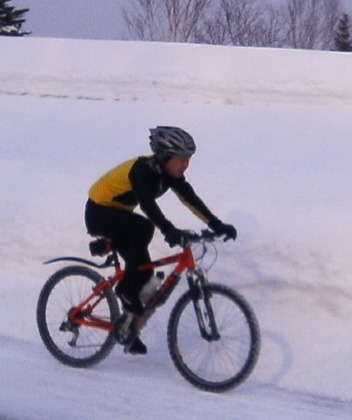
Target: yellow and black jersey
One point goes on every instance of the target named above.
(140, 181)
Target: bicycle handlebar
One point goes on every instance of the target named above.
(190, 237)
(193, 237)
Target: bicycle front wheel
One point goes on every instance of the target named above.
(75, 345)
(224, 361)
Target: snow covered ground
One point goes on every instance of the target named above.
(273, 130)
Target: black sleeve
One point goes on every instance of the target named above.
(187, 195)
(145, 184)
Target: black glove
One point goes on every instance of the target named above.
(174, 236)
(223, 229)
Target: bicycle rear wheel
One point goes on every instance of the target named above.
(225, 361)
(75, 345)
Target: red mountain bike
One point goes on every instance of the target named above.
(213, 335)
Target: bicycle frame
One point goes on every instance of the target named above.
(79, 314)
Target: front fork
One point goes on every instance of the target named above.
(201, 297)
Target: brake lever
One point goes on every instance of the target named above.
(189, 238)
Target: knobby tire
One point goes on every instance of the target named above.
(220, 364)
(64, 290)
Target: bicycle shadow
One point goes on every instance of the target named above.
(275, 359)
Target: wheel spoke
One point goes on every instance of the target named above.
(76, 345)
(217, 364)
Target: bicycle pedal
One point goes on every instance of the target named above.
(136, 347)
(122, 328)
(127, 346)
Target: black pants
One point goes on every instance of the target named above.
(131, 234)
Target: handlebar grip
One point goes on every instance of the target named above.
(208, 234)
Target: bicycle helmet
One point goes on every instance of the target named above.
(167, 142)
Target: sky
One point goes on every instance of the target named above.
(85, 19)
(91, 19)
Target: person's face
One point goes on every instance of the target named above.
(177, 165)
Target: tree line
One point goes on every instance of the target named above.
(305, 24)
(11, 19)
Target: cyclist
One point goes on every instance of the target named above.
(140, 181)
